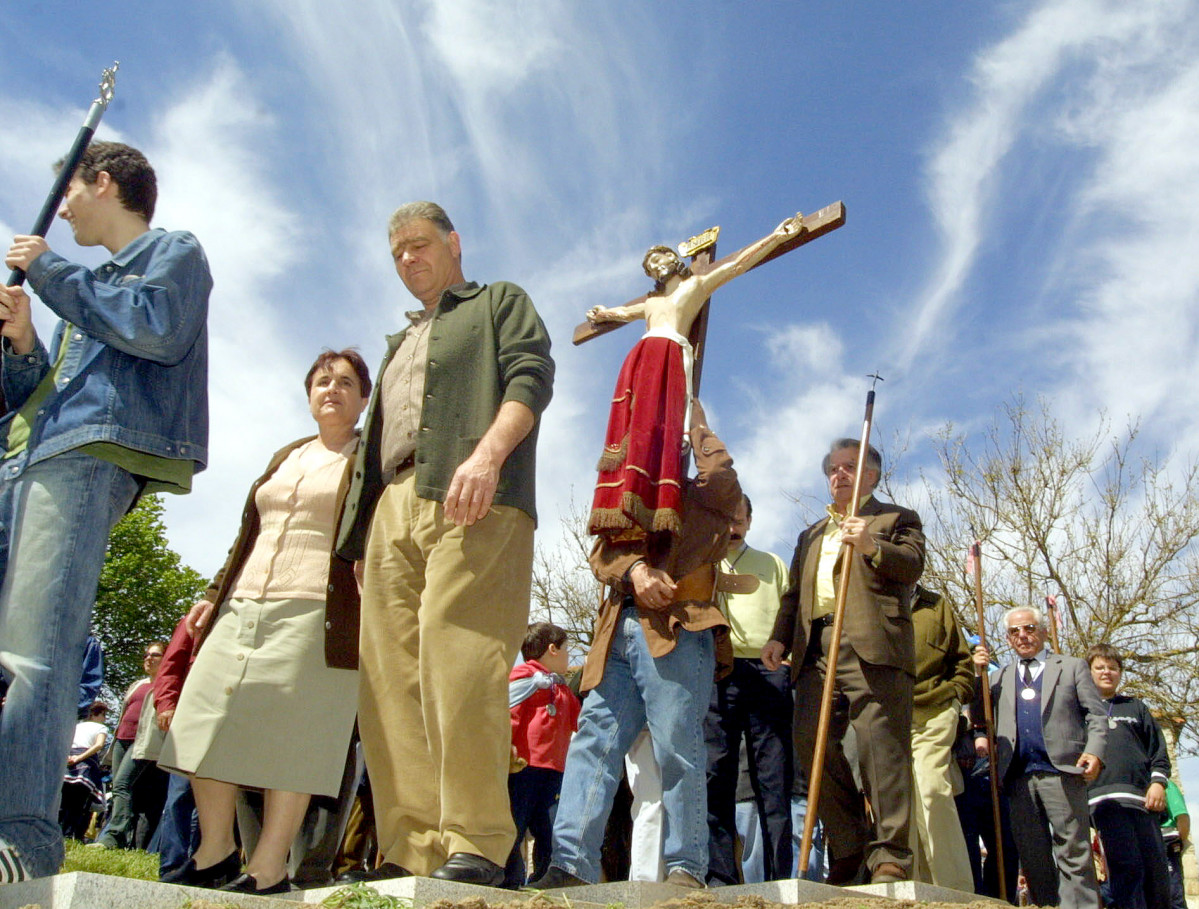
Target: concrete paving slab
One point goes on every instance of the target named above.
(920, 892)
(81, 890)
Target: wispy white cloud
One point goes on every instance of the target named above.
(217, 180)
(966, 171)
(794, 405)
(521, 122)
(1134, 233)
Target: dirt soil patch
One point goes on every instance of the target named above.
(704, 900)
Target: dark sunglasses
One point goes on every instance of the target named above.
(1030, 628)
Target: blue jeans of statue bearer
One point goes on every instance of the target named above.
(55, 517)
(671, 694)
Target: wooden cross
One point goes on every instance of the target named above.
(815, 225)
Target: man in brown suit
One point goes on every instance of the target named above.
(875, 665)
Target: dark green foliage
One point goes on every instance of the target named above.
(144, 590)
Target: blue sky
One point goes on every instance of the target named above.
(1020, 180)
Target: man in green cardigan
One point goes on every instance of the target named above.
(441, 514)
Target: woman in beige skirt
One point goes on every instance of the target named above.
(269, 702)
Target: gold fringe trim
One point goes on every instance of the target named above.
(659, 520)
(614, 455)
(603, 519)
(654, 520)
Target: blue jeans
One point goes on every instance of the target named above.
(671, 694)
(1138, 876)
(753, 851)
(533, 793)
(178, 831)
(55, 517)
(816, 855)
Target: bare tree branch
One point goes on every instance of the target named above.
(1110, 532)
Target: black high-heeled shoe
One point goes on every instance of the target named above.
(213, 877)
(247, 883)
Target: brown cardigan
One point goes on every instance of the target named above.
(341, 602)
(710, 503)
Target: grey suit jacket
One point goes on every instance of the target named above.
(1073, 716)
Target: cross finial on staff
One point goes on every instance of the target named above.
(877, 378)
(108, 83)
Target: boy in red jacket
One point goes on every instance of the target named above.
(545, 713)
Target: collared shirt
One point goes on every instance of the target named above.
(403, 391)
(751, 615)
(1036, 665)
(487, 346)
(830, 547)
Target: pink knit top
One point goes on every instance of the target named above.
(296, 508)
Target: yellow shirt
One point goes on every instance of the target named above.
(830, 547)
(751, 615)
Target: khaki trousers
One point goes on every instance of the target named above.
(937, 840)
(444, 612)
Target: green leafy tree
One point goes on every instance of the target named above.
(144, 590)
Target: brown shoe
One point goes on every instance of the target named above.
(681, 878)
(845, 871)
(888, 873)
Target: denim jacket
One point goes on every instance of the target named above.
(136, 369)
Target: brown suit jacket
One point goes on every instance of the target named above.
(878, 612)
(710, 503)
(341, 602)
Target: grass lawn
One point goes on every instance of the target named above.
(144, 866)
(119, 862)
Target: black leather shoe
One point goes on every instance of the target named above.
(213, 877)
(385, 872)
(467, 868)
(555, 878)
(247, 883)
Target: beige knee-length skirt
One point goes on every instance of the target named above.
(260, 708)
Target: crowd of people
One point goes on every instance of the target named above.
(351, 675)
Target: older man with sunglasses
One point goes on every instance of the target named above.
(1051, 731)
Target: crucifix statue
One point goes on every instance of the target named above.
(642, 467)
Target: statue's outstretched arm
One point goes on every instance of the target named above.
(627, 313)
(752, 255)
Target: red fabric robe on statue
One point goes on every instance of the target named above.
(641, 470)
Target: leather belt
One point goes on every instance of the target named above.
(816, 639)
(699, 584)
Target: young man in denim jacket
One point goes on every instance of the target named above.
(116, 406)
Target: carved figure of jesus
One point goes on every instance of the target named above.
(641, 469)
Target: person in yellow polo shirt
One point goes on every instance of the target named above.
(752, 703)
